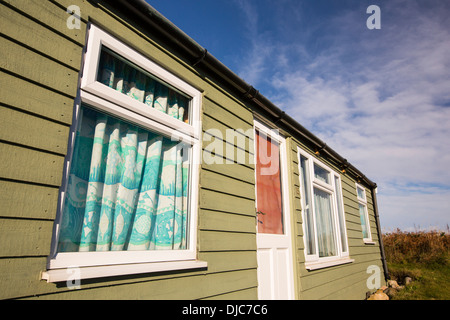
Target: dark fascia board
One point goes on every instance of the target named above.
(200, 56)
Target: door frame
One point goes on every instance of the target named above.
(263, 240)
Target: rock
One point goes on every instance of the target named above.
(391, 292)
(407, 281)
(393, 284)
(379, 295)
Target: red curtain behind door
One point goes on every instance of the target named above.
(268, 185)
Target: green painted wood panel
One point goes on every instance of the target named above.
(223, 221)
(352, 289)
(18, 163)
(226, 143)
(217, 182)
(38, 100)
(342, 282)
(229, 261)
(226, 241)
(24, 200)
(28, 130)
(217, 201)
(295, 214)
(20, 277)
(22, 237)
(246, 294)
(234, 170)
(180, 288)
(49, 14)
(231, 114)
(218, 151)
(234, 107)
(34, 35)
(31, 65)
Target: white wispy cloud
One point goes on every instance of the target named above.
(259, 51)
(380, 98)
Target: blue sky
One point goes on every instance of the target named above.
(380, 98)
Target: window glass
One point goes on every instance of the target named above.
(364, 222)
(363, 214)
(324, 224)
(361, 193)
(268, 185)
(123, 76)
(127, 188)
(341, 216)
(321, 174)
(307, 208)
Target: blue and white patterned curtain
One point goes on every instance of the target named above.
(127, 187)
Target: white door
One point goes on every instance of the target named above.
(275, 273)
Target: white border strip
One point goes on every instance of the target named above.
(59, 275)
(320, 265)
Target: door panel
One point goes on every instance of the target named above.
(275, 267)
(283, 282)
(266, 284)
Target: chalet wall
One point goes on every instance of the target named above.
(39, 72)
(39, 67)
(346, 281)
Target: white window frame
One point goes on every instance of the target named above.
(89, 83)
(313, 261)
(103, 98)
(363, 201)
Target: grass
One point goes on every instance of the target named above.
(423, 256)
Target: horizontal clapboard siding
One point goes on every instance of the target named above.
(40, 60)
(38, 78)
(343, 281)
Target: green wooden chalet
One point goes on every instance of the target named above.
(135, 165)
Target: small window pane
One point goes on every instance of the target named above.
(127, 189)
(321, 174)
(364, 222)
(341, 216)
(361, 193)
(121, 75)
(307, 210)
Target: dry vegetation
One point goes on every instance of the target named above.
(424, 247)
(423, 256)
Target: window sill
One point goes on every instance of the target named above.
(78, 273)
(320, 265)
(369, 242)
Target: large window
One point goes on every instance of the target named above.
(325, 235)
(130, 190)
